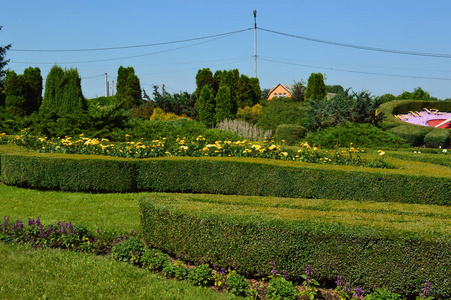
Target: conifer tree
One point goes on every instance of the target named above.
(23, 92)
(63, 94)
(128, 88)
(204, 77)
(316, 89)
(224, 105)
(205, 106)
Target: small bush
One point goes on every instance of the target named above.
(413, 135)
(212, 135)
(361, 135)
(237, 284)
(383, 294)
(201, 275)
(280, 288)
(292, 134)
(437, 138)
(155, 260)
(129, 250)
(176, 271)
(283, 111)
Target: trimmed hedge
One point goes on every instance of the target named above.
(437, 138)
(415, 183)
(244, 234)
(413, 134)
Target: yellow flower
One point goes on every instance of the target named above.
(127, 135)
(382, 153)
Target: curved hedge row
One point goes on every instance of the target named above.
(252, 237)
(416, 182)
(414, 134)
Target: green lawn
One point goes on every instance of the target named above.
(27, 273)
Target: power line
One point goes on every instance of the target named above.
(127, 57)
(358, 46)
(358, 72)
(134, 46)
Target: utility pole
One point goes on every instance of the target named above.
(255, 42)
(112, 88)
(107, 88)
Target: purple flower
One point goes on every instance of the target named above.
(31, 222)
(358, 292)
(347, 288)
(308, 271)
(285, 275)
(427, 287)
(339, 281)
(132, 232)
(5, 223)
(274, 272)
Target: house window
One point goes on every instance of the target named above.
(280, 94)
(284, 95)
(275, 94)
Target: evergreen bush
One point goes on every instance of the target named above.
(437, 138)
(292, 134)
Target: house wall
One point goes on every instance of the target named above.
(280, 91)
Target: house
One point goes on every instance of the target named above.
(281, 90)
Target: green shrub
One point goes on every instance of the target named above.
(280, 288)
(412, 134)
(200, 275)
(237, 284)
(130, 250)
(382, 294)
(177, 271)
(155, 260)
(282, 111)
(292, 134)
(437, 138)
(361, 135)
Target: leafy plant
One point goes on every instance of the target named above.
(155, 260)
(177, 270)
(382, 294)
(280, 288)
(201, 275)
(310, 285)
(130, 250)
(237, 284)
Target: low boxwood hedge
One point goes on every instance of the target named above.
(253, 234)
(437, 138)
(412, 182)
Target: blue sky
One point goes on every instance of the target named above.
(405, 25)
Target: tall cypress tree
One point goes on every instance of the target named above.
(224, 104)
(204, 77)
(23, 92)
(72, 99)
(205, 106)
(128, 88)
(316, 89)
(63, 94)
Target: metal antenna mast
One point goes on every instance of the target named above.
(255, 42)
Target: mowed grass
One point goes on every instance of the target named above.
(109, 212)
(27, 273)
